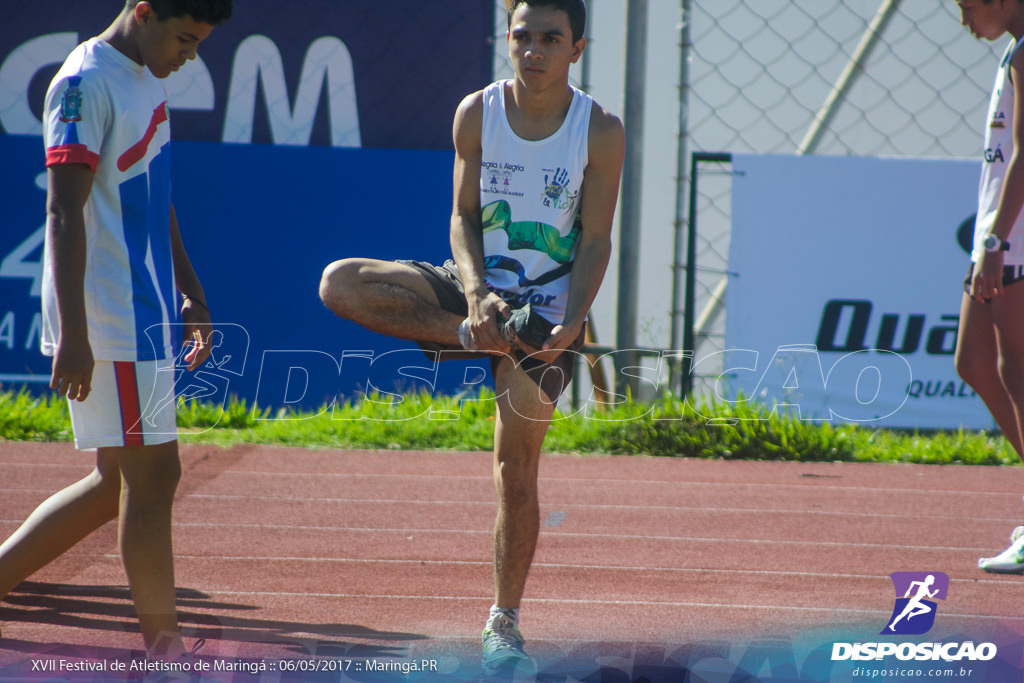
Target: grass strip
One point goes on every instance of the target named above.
(742, 430)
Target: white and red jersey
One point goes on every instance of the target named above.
(105, 110)
(998, 151)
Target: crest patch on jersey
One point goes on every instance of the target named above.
(71, 104)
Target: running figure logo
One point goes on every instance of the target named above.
(209, 383)
(914, 612)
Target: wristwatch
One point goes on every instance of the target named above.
(993, 243)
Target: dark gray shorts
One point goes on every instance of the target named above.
(553, 378)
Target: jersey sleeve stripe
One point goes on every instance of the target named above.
(72, 154)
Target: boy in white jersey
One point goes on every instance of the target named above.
(114, 267)
(526, 227)
(990, 342)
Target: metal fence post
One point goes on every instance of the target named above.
(681, 180)
(689, 306)
(632, 176)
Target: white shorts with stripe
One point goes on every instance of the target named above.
(131, 404)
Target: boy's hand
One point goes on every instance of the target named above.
(197, 333)
(483, 322)
(72, 368)
(560, 339)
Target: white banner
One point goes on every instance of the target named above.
(846, 288)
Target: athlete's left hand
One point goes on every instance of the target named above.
(560, 339)
(197, 333)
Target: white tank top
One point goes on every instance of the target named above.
(998, 150)
(529, 197)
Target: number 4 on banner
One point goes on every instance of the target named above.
(17, 263)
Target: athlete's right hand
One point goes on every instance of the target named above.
(72, 369)
(483, 322)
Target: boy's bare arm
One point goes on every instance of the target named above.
(467, 231)
(599, 196)
(194, 312)
(69, 186)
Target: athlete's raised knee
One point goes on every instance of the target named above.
(337, 285)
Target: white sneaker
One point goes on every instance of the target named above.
(1011, 560)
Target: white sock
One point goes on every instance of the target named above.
(512, 614)
(465, 337)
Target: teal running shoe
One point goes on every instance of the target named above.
(503, 645)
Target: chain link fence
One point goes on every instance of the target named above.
(832, 77)
(873, 78)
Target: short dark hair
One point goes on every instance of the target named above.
(204, 11)
(576, 9)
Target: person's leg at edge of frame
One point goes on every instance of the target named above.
(1009, 325)
(59, 523)
(149, 476)
(523, 417)
(992, 335)
(977, 363)
(140, 483)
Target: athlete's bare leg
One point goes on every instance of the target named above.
(980, 356)
(60, 522)
(137, 485)
(389, 298)
(524, 415)
(149, 478)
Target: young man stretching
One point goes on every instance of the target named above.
(536, 180)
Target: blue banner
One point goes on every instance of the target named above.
(351, 73)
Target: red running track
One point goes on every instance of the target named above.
(359, 556)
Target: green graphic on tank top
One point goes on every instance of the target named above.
(531, 235)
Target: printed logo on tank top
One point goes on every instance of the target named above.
(556, 190)
(499, 178)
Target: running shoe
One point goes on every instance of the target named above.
(1011, 560)
(503, 645)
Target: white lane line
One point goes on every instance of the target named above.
(590, 567)
(614, 603)
(589, 536)
(576, 481)
(549, 504)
